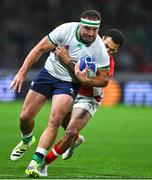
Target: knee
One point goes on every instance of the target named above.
(24, 117)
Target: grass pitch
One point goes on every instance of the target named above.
(118, 144)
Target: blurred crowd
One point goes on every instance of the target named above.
(25, 22)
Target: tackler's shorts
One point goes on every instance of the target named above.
(88, 103)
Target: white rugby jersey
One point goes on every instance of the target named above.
(67, 35)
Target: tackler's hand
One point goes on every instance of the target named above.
(63, 54)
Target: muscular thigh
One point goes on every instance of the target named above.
(61, 104)
(33, 102)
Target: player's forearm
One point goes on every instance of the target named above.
(32, 57)
(96, 82)
(42, 47)
(71, 65)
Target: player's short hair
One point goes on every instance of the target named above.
(91, 15)
(116, 35)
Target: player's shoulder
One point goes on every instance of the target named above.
(101, 46)
(112, 58)
(68, 27)
(70, 24)
(99, 41)
(112, 61)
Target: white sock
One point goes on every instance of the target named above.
(41, 150)
(26, 135)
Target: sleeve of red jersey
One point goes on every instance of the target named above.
(112, 65)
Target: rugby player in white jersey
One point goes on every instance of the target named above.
(56, 82)
(85, 104)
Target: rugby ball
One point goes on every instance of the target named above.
(91, 66)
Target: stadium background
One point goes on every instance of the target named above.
(126, 125)
(24, 23)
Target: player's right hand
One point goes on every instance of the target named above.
(81, 75)
(17, 83)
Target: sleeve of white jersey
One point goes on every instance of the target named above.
(56, 36)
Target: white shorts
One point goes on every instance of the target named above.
(88, 103)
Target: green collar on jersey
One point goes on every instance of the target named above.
(77, 34)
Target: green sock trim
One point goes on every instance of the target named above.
(27, 140)
(37, 159)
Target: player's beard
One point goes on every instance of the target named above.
(86, 40)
